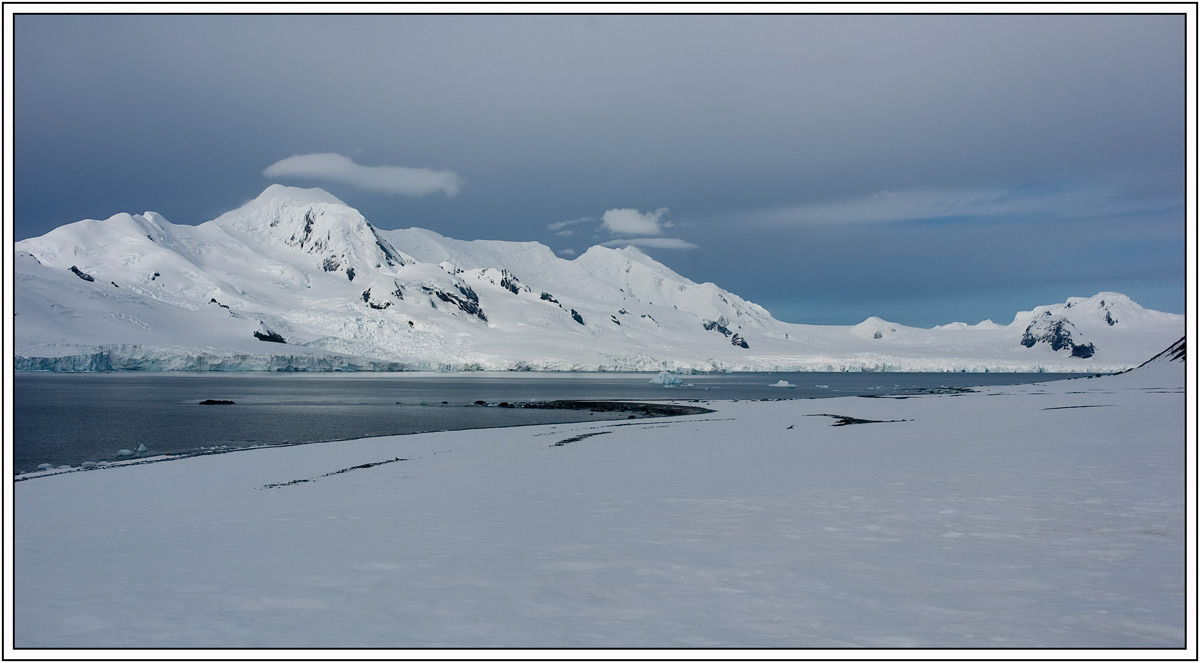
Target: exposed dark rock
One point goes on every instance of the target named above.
(270, 337)
(214, 301)
(648, 409)
(877, 335)
(509, 282)
(156, 275)
(547, 297)
(739, 341)
(364, 466)
(614, 319)
(842, 420)
(1058, 333)
(1083, 351)
(114, 284)
(468, 302)
(1109, 319)
(212, 401)
(81, 274)
(390, 254)
(575, 315)
(582, 436)
(350, 273)
(1176, 352)
(366, 296)
(468, 292)
(308, 228)
(717, 326)
(331, 264)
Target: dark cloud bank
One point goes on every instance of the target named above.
(922, 168)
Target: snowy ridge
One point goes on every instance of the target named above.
(298, 280)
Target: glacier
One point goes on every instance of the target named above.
(297, 280)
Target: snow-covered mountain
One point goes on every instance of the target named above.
(298, 280)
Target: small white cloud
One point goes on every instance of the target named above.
(652, 243)
(566, 252)
(565, 233)
(633, 222)
(559, 225)
(397, 180)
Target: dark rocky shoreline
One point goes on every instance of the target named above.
(632, 407)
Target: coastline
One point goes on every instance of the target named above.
(1040, 515)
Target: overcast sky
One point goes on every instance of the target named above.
(925, 169)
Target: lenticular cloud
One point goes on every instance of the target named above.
(397, 180)
(633, 222)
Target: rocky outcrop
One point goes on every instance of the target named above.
(468, 302)
(269, 336)
(81, 274)
(369, 300)
(510, 282)
(718, 325)
(1057, 332)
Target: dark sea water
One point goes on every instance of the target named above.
(70, 419)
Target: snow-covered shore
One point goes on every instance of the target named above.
(1049, 515)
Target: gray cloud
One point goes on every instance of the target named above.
(754, 128)
(398, 180)
(1080, 202)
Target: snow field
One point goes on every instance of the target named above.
(1024, 516)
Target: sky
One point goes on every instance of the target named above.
(924, 169)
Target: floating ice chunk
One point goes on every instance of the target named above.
(124, 452)
(45, 466)
(782, 383)
(667, 379)
(142, 449)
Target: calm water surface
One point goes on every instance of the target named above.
(69, 419)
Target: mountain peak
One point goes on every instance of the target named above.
(1101, 309)
(295, 195)
(314, 222)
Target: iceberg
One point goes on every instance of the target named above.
(667, 379)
